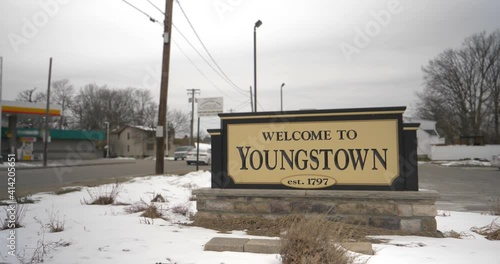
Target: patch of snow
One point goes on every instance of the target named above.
(5, 164)
(467, 163)
(106, 234)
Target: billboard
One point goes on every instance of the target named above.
(211, 106)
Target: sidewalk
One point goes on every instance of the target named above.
(24, 165)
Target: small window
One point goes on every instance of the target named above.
(128, 148)
(150, 146)
(128, 135)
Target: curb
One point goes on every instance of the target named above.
(271, 246)
(262, 246)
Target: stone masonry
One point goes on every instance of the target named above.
(409, 211)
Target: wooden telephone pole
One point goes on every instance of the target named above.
(162, 111)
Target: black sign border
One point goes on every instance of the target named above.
(405, 180)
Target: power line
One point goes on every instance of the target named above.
(223, 76)
(194, 65)
(157, 8)
(199, 54)
(205, 48)
(152, 19)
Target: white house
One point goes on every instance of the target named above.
(134, 141)
(427, 136)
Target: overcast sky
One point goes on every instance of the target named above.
(329, 53)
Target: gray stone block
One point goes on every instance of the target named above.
(226, 244)
(359, 247)
(411, 225)
(263, 246)
(424, 210)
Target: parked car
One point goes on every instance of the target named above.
(495, 161)
(204, 157)
(180, 152)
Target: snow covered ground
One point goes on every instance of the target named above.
(106, 234)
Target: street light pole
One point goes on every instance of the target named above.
(257, 24)
(281, 96)
(107, 139)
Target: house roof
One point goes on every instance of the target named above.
(431, 132)
(143, 128)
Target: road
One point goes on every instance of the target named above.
(461, 189)
(470, 189)
(51, 179)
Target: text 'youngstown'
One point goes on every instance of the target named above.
(313, 159)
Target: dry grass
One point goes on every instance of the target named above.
(491, 231)
(103, 195)
(455, 234)
(150, 210)
(16, 212)
(314, 239)
(25, 200)
(136, 207)
(158, 199)
(274, 227)
(495, 206)
(181, 210)
(55, 224)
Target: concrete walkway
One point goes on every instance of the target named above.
(270, 246)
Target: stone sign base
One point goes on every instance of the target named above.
(411, 211)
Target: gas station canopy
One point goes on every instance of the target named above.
(17, 107)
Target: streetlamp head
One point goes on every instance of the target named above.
(258, 23)
(283, 84)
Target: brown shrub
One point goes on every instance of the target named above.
(152, 211)
(103, 195)
(314, 240)
(136, 207)
(180, 209)
(491, 231)
(55, 224)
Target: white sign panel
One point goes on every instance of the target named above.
(210, 106)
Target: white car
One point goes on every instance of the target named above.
(204, 157)
(495, 161)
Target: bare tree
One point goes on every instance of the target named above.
(93, 105)
(62, 95)
(178, 120)
(30, 96)
(144, 108)
(460, 87)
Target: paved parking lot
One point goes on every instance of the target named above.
(461, 188)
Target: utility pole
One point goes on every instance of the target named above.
(162, 109)
(192, 92)
(46, 134)
(251, 99)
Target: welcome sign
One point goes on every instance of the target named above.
(326, 149)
